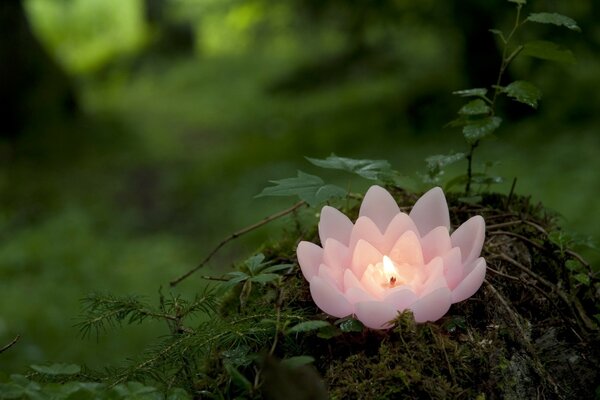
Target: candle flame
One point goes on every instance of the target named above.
(389, 269)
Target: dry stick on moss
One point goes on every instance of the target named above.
(514, 315)
(543, 293)
(570, 301)
(235, 235)
(11, 344)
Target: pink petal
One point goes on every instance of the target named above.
(310, 257)
(435, 277)
(469, 237)
(329, 299)
(370, 284)
(432, 306)
(365, 229)
(407, 250)
(375, 314)
(431, 211)
(335, 225)
(400, 224)
(335, 254)
(355, 295)
(333, 276)
(364, 254)
(400, 297)
(453, 267)
(379, 206)
(350, 280)
(436, 243)
(471, 283)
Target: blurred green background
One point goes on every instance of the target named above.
(135, 133)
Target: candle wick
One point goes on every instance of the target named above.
(392, 280)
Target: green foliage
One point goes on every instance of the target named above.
(20, 387)
(297, 361)
(368, 169)
(309, 188)
(523, 92)
(555, 19)
(476, 92)
(437, 163)
(478, 129)
(475, 107)
(308, 326)
(57, 369)
(549, 51)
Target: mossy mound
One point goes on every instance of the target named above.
(529, 332)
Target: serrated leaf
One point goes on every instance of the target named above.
(523, 92)
(368, 169)
(351, 325)
(307, 326)
(439, 161)
(479, 129)
(297, 361)
(555, 19)
(476, 92)
(550, 51)
(309, 188)
(57, 369)
(475, 107)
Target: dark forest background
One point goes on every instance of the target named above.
(136, 133)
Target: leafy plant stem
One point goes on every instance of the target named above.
(506, 60)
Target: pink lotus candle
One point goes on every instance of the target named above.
(389, 261)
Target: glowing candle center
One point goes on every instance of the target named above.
(389, 271)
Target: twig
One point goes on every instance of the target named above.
(235, 235)
(511, 193)
(11, 344)
(573, 304)
(523, 238)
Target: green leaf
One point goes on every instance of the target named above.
(329, 332)
(179, 394)
(499, 33)
(442, 160)
(523, 92)
(277, 268)
(351, 325)
(555, 19)
(479, 129)
(297, 361)
(475, 107)
(484, 179)
(237, 277)
(583, 278)
(548, 51)
(57, 369)
(11, 391)
(255, 263)
(368, 169)
(476, 92)
(573, 265)
(309, 188)
(264, 278)
(521, 2)
(237, 377)
(307, 326)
